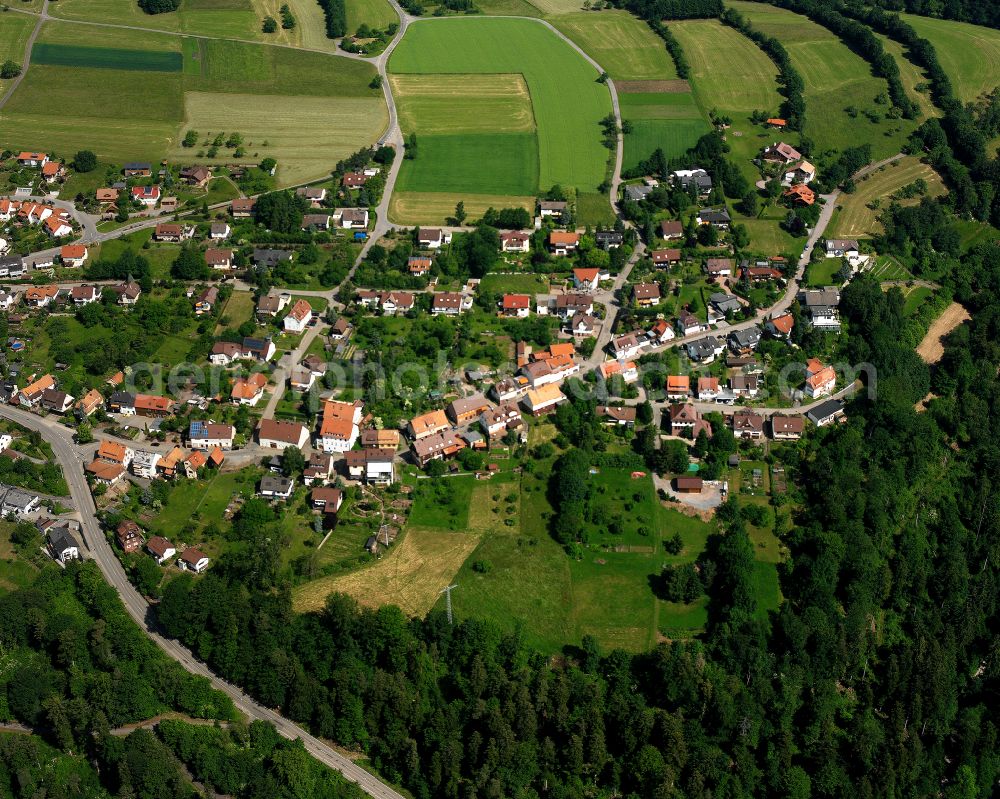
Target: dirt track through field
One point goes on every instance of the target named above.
(931, 349)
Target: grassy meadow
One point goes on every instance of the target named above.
(374, 13)
(836, 79)
(621, 43)
(856, 214)
(567, 105)
(14, 35)
(969, 54)
(669, 120)
(160, 86)
(418, 207)
(448, 104)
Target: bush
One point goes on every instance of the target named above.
(85, 161)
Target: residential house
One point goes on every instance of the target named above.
(122, 402)
(721, 304)
(708, 388)
(137, 169)
(353, 218)
(515, 305)
(152, 405)
(609, 239)
(338, 429)
(130, 537)
(224, 353)
(242, 207)
(84, 295)
(161, 549)
(617, 415)
(820, 379)
(688, 485)
(105, 473)
(582, 325)
(146, 463)
(193, 462)
(208, 435)
(586, 279)
(270, 258)
(704, 350)
(148, 196)
(450, 303)
(326, 499)
(380, 438)
(173, 231)
(353, 180)
(683, 418)
(515, 241)
(298, 318)
(678, 387)
(56, 401)
(340, 329)
(259, 349)
(563, 242)
(221, 259)
(781, 153)
(419, 265)
(438, 446)
(52, 171)
(219, 231)
(688, 324)
(826, 413)
(661, 332)
(509, 389)
(799, 195)
(314, 222)
(57, 227)
(466, 409)
(543, 400)
(744, 341)
(427, 424)
(395, 302)
(748, 425)
(637, 192)
(646, 294)
(276, 487)
(275, 434)
(693, 179)
(314, 195)
(628, 346)
(32, 159)
(671, 229)
(785, 428)
(842, 248)
(718, 217)
(627, 370)
(780, 326)
(17, 501)
(193, 560)
(745, 385)
(62, 545)
(128, 293)
(248, 390)
(205, 302)
(319, 467)
(719, 267)
(498, 421)
(667, 257)
(31, 394)
(197, 176)
(552, 208)
(432, 238)
(73, 255)
(569, 305)
(273, 303)
(803, 172)
(90, 402)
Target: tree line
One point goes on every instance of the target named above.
(979, 12)
(335, 12)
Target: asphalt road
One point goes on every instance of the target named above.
(96, 547)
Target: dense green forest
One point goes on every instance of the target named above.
(874, 679)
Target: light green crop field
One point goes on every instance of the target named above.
(669, 120)
(969, 54)
(463, 103)
(856, 215)
(231, 19)
(14, 35)
(621, 43)
(835, 79)
(308, 110)
(71, 55)
(491, 163)
(374, 13)
(566, 99)
(428, 207)
(712, 49)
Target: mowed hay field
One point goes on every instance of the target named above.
(969, 54)
(671, 121)
(911, 76)
(311, 109)
(463, 103)
(856, 218)
(621, 43)
(297, 129)
(232, 19)
(567, 105)
(835, 79)
(417, 207)
(14, 35)
(374, 13)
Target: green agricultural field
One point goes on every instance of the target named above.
(857, 213)
(593, 209)
(669, 120)
(969, 54)
(68, 55)
(311, 123)
(14, 35)
(498, 163)
(566, 99)
(836, 79)
(621, 43)
(911, 76)
(823, 273)
(374, 13)
(451, 104)
(712, 49)
(417, 207)
(516, 284)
